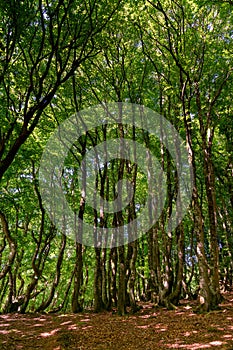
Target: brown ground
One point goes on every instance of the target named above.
(149, 329)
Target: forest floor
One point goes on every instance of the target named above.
(149, 329)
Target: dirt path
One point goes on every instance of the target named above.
(149, 329)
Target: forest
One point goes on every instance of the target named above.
(148, 86)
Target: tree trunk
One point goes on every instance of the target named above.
(98, 302)
(212, 211)
(121, 305)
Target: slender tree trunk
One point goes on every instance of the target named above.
(12, 244)
(121, 301)
(212, 210)
(98, 302)
(176, 294)
(113, 268)
(104, 279)
(204, 293)
(45, 304)
(207, 134)
(132, 278)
